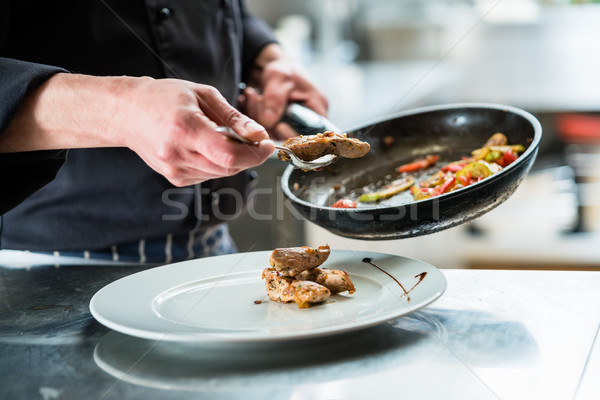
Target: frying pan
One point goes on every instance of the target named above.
(451, 131)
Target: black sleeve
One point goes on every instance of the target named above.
(21, 174)
(257, 34)
(16, 79)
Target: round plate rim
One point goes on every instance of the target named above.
(187, 336)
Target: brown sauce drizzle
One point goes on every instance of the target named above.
(421, 276)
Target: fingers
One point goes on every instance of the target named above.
(210, 158)
(283, 131)
(229, 156)
(318, 103)
(276, 90)
(226, 155)
(252, 101)
(216, 108)
(281, 84)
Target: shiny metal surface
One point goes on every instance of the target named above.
(493, 335)
(305, 121)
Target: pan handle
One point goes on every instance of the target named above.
(305, 121)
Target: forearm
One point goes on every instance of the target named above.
(68, 111)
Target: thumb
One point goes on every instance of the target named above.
(218, 110)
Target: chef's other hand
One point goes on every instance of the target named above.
(172, 130)
(276, 81)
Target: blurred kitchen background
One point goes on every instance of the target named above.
(376, 57)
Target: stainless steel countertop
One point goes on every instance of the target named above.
(492, 335)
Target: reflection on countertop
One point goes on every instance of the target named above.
(493, 334)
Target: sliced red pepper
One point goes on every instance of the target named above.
(509, 157)
(453, 167)
(344, 203)
(448, 185)
(463, 180)
(423, 163)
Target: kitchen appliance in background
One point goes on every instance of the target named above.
(581, 132)
(545, 204)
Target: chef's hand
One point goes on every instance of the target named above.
(276, 81)
(168, 123)
(174, 132)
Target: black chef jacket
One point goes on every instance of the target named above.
(101, 197)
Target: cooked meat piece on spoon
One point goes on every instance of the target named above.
(311, 147)
(285, 289)
(293, 260)
(335, 280)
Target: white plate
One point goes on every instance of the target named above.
(215, 299)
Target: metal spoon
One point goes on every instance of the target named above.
(296, 162)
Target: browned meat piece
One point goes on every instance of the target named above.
(333, 279)
(293, 260)
(497, 139)
(279, 288)
(307, 293)
(285, 289)
(311, 147)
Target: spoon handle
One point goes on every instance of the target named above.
(233, 135)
